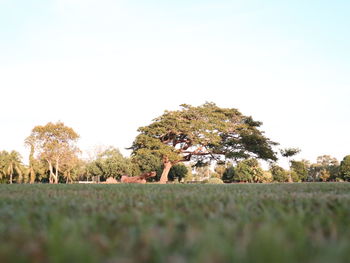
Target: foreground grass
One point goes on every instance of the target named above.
(175, 223)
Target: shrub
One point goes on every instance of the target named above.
(229, 174)
(266, 177)
(279, 174)
(295, 176)
(213, 181)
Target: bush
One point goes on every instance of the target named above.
(295, 177)
(267, 177)
(279, 174)
(213, 181)
(228, 174)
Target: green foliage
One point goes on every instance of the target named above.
(345, 168)
(294, 176)
(327, 160)
(11, 167)
(330, 164)
(289, 152)
(202, 173)
(147, 161)
(267, 177)
(248, 171)
(189, 176)
(228, 175)
(243, 173)
(219, 170)
(175, 223)
(279, 174)
(326, 169)
(301, 169)
(213, 181)
(178, 172)
(202, 134)
(71, 167)
(111, 163)
(324, 175)
(52, 143)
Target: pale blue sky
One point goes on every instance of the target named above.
(94, 63)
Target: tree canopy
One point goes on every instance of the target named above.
(111, 163)
(11, 165)
(53, 142)
(345, 168)
(202, 134)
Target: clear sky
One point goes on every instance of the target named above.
(106, 67)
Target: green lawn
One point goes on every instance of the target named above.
(307, 222)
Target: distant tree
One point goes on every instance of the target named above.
(279, 174)
(248, 171)
(147, 162)
(3, 166)
(178, 172)
(288, 153)
(242, 173)
(30, 142)
(202, 134)
(314, 173)
(301, 168)
(11, 165)
(325, 169)
(327, 160)
(330, 164)
(324, 175)
(110, 163)
(267, 177)
(70, 166)
(294, 175)
(344, 170)
(52, 142)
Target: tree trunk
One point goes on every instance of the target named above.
(32, 175)
(56, 175)
(31, 165)
(10, 170)
(290, 179)
(51, 172)
(67, 177)
(164, 176)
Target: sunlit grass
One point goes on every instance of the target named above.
(175, 223)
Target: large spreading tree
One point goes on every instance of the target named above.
(53, 143)
(202, 134)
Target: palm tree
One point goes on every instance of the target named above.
(3, 161)
(29, 142)
(13, 164)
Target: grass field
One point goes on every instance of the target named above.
(175, 223)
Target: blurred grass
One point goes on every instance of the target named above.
(175, 223)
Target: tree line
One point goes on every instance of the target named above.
(204, 143)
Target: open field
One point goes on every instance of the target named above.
(175, 223)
